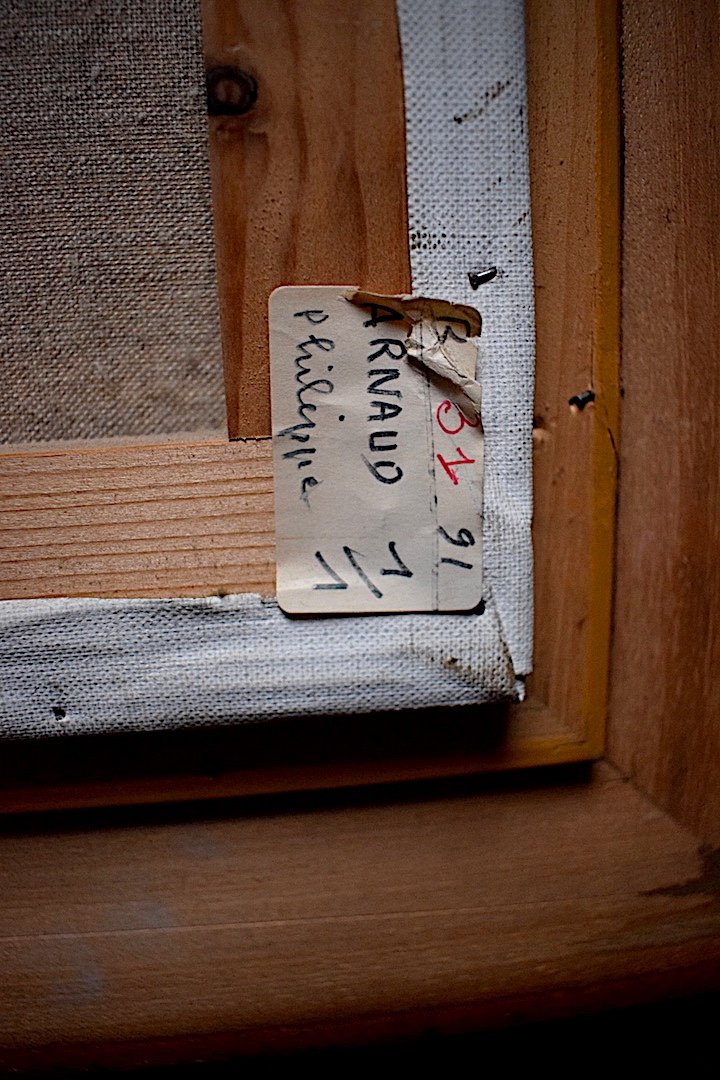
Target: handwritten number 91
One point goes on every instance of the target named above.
(463, 539)
(443, 421)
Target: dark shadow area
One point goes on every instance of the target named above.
(213, 751)
(670, 1036)
(360, 742)
(295, 802)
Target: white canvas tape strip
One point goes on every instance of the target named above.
(114, 665)
(469, 208)
(79, 666)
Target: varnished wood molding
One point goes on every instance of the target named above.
(664, 726)
(319, 925)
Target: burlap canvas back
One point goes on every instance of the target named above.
(108, 317)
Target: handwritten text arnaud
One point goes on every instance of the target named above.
(314, 350)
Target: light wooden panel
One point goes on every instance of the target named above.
(184, 939)
(185, 518)
(665, 703)
(309, 186)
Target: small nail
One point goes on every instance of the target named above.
(481, 277)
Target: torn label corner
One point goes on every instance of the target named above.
(439, 338)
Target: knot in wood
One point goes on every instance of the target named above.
(230, 91)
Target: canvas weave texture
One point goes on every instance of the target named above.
(469, 208)
(78, 666)
(108, 322)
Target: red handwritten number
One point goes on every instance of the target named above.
(444, 407)
(441, 414)
(448, 466)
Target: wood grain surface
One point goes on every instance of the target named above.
(665, 702)
(573, 97)
(128, 940)
(309, 186)
(174, 518)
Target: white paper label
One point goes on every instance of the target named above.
(378, 459)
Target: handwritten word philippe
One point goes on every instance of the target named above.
(308, 351)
